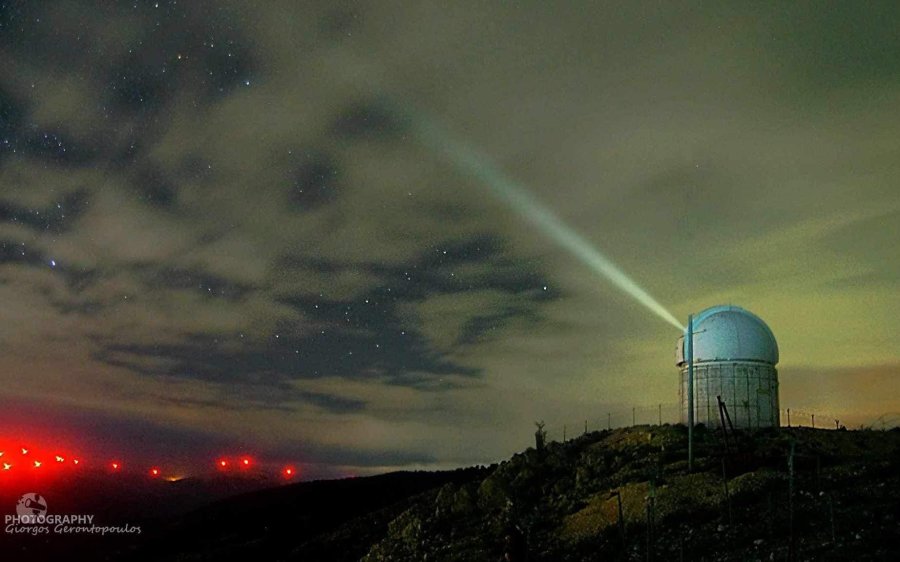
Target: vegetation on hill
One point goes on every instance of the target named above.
(562, 502)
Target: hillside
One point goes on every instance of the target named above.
(559, 504)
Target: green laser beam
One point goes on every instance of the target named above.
(482, 169)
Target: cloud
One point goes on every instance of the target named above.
(367, 335)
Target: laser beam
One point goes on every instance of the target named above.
(479, 167)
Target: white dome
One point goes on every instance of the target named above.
(730, 333)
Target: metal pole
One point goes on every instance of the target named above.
(727, 493)
(608, 420)
(791, 545)
(632, 417)
(660, 414)
(689, 343)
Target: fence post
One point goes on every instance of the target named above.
(608, 421)
(727, 494)
(660, 414)
(632, 417)
(791, 546)
(620, 519)
(813, 420)
(789, 417)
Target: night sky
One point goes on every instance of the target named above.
(219, 232)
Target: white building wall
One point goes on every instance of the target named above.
(749, 390)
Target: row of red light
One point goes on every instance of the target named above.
(243, 463)
(7, 466)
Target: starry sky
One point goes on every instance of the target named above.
(217, 232)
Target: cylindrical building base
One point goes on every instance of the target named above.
(748, 389)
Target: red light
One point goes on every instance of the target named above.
(1, 453)
(75, 461)
(6, 466)
(154, 472)
(115, 466)
(24, 451)
(223, 464)
(59, 458)
(289, 472)
(37, 464)
(245, 462)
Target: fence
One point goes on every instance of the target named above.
(671, 413)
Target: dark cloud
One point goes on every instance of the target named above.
(12, 116)
(314, 182)
(163, 277)
(199, 60)
(483, 327)
(156, 189)
(374, 119)
(20, 29)
(13, 252)
(363, 338)
(19, 136)
(56, 217)
(81, 307)
(139, 87)
(252, 375)
(55, 147)
(238, 397)
(72, 298)
(431, 273)
(227, 65)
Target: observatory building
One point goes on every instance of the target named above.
(735, 354)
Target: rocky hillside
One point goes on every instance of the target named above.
(563, 502)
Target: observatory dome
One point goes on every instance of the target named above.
(730, 333)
